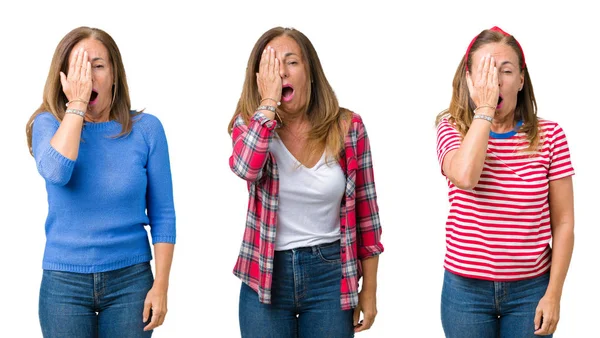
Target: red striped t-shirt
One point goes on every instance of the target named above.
(500, 230)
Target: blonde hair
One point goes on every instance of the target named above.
(460, 112)
(54, 99)
(324, 113)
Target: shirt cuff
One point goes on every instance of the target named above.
(264, 121)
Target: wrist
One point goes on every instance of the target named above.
(369, 287)
(161, 284)
(485, 110)
(77, 105)
(268, 111)
(553, 293)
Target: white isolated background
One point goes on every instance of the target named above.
(391, 62)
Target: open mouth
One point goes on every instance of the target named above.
(93, 97)
(500, 99)
(287, 93)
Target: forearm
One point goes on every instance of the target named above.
(369, 279)
(562, 249)
(465, 167)
(68, 136)
(163, 257)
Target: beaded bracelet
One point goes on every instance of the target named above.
(270, 108)
(484, 117)
(75, 111)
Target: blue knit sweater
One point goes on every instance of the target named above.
(99, 204)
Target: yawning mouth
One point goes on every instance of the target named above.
(287, 93)
(500, 99)
(93, 97)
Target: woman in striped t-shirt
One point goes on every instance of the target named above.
(511, 196)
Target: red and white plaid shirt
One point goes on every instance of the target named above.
(359, 218)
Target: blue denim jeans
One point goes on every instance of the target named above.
(305, 297)
(106, 304)
(474, 308)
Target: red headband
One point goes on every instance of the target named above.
(495, 29)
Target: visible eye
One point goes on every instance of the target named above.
(506, 71)
(99, 66)
(293, 63)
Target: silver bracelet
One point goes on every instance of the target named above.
(270, 108)
(76, 112)
(485, 117)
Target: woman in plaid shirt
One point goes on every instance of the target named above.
(312, 228)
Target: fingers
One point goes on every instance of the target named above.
(469, 82)
(63, 79)
(485, 69)
(88, 71)
(77, 68)
(537, 320)
(365, 324)
(158, 318)
(549, 324)
(263, 62)
(84, 63)
(146, 313)
(495, 77)
(270, 60)
(356, 316)
(479, 69)
(492, 70)
(72, 63)
(543, 330)
(274, 71)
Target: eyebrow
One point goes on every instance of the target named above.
(97, 58)
(289, 54)
(505, 62)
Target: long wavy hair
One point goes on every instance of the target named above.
(54, 98)
(460, 113)
(325, 116)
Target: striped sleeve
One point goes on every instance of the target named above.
(448, 139)
(560, 158)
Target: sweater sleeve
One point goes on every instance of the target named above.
(53, 166)
(159, 194)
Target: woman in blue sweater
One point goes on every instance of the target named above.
(107, 175)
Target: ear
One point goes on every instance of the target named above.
(522, 77)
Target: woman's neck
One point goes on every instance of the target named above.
(97, 118)
(503, 124)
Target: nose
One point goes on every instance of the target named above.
(283, 71)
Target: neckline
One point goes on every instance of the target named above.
(508, 134)
(300, 164)
(100, 126)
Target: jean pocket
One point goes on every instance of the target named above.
(330, 254)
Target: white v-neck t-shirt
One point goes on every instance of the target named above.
(309, 199)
